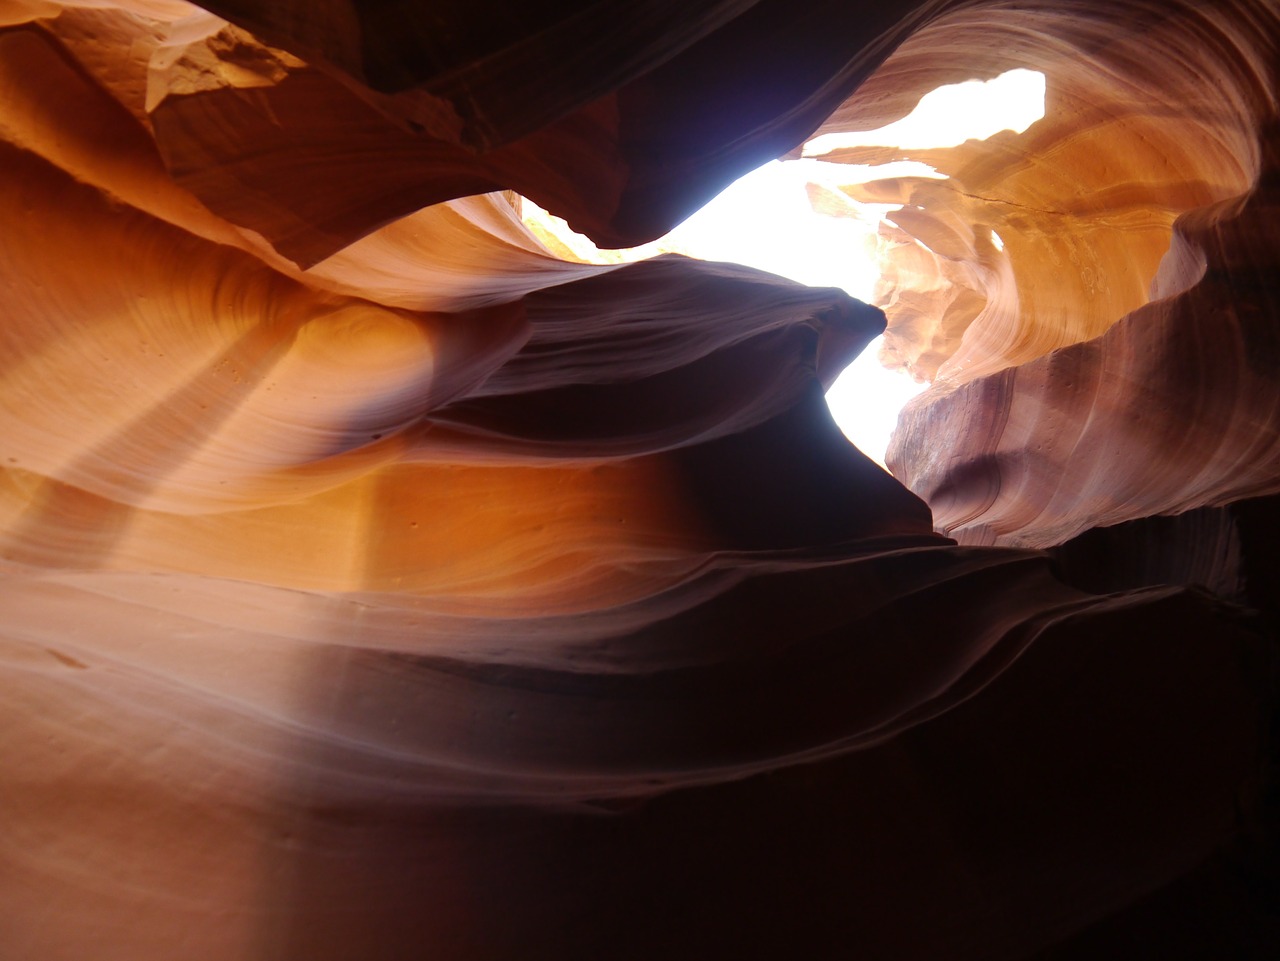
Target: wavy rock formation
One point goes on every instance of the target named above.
(1113, 356)
(376, 584)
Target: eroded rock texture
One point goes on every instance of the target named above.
(1112, 355)
(378, 585)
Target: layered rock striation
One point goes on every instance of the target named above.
(1087, 297)
(375, 583)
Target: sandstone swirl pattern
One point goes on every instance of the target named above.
(376, 584)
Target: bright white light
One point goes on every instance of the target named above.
(865, 401)
(765, 220)
(950, 115)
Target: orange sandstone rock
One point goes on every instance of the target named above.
(376, 584)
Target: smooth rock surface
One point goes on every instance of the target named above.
(376, 584)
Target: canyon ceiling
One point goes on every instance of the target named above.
(378, 583)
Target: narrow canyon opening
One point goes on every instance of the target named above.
(819, 223)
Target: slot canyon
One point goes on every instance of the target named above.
(380, 580)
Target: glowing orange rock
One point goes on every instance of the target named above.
(376, 584)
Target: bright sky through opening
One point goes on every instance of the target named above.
(950, 115)
(766, 220)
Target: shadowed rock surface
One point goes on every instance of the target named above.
(376, 584)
